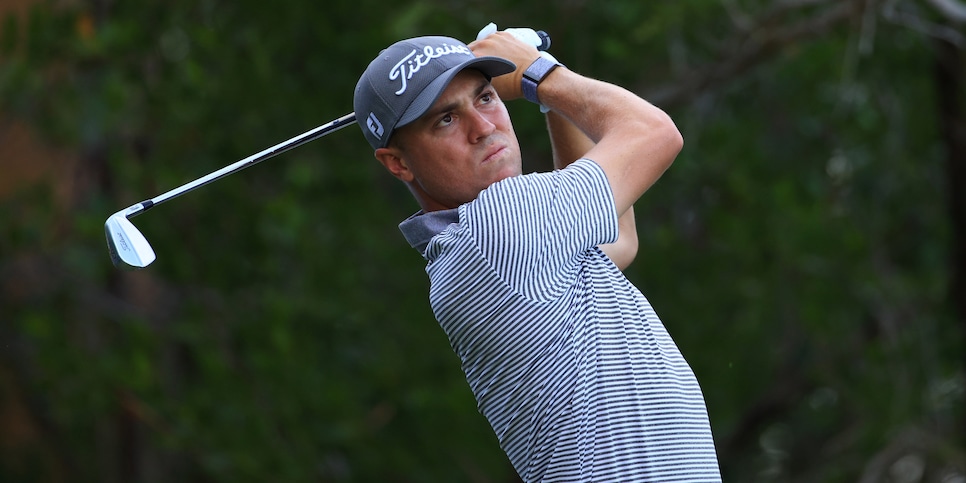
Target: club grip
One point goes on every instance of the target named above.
(544, 40)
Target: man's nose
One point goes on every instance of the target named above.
(481, 126)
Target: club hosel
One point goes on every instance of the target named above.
(136, 209)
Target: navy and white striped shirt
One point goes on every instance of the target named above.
(568, 361)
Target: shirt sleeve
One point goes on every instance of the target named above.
(535, 229)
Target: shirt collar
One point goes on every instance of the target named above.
(420, 228)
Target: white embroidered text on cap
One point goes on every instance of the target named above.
(429, 53)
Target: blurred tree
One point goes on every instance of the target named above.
(806, 250)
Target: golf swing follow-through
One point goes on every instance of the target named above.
(571, 366)
(126, 244)
(568, 361)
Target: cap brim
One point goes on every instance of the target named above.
(490, 66)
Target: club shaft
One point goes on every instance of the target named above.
(252, 160)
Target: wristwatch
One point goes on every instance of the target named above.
(534, 74)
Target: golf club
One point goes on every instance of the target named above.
(131, 251)
(128, 247)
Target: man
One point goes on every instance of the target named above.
(568, 361)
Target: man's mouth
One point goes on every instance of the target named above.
(494, 153)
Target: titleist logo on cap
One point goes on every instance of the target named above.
(406, 68)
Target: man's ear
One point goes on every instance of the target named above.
(392, 159)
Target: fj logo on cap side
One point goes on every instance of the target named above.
(375, 127)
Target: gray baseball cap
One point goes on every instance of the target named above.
(405, 80)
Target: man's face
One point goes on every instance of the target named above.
(461, 145)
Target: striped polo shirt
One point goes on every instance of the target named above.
(568, 361)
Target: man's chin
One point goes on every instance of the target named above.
(509, 172)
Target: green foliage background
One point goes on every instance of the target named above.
(800, 250)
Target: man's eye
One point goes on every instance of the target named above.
(445, 120)
(485, 98)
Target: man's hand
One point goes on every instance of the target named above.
(507, 46)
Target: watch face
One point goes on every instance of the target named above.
(533, 75)
(539, 69)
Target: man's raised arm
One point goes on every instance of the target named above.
(635, 142)
(570, 144)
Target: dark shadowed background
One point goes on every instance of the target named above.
(807, 250)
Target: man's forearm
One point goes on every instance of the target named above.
(569, 144)
(567, 141)
(634, 141)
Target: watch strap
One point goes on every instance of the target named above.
(535, 74)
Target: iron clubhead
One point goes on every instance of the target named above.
(129, 249)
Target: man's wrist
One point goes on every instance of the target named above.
(534, 75)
